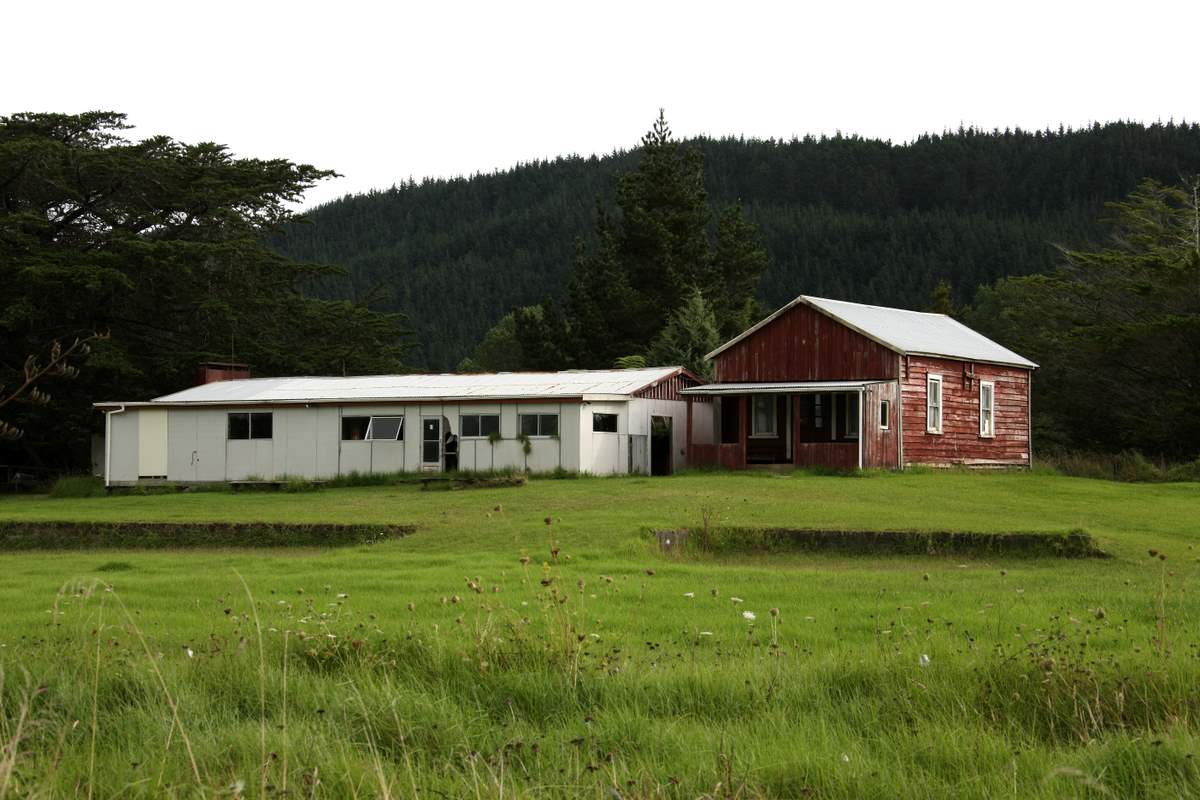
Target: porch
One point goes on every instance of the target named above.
(811, 424)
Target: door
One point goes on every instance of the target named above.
(152, 443)
(181, 445)
(660, 446)
(431, 443)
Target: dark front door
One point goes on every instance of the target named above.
(660, 446)
(431, 442)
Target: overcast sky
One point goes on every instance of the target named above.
(384, 91)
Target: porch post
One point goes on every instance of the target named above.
(796, 429)
(862, 430)
(743, 428)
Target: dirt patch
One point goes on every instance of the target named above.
(728, 540)
(162, 535)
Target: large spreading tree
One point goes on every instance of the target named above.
(1116, 329)
(158, 246)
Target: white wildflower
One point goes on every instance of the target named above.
(923, 660)
(189, 652)
(749, 615)
(706, 633)
(736, 600)
(689, 595)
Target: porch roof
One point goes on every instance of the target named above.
(784, 387)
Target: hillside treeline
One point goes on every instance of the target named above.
(844, 216)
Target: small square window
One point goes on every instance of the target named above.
(604, 423)
(479, 425)
(470, 424)
(528, 424)
(262, 425)
(537, 424)
(355, 428)
(239, 426)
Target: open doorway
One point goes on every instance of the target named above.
(660, 446)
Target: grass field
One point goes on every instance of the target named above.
(440, 665)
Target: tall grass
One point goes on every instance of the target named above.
(1128, 466)
(525, 691)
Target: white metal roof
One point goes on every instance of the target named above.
(797, 387)
(392, 388)
(907, 332)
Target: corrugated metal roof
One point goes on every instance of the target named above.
(907, 332)
(390, 388)
(798, 387)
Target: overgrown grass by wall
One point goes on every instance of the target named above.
(159, 535)
(727, 540)
(1128, 466)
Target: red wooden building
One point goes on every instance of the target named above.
(830, 383)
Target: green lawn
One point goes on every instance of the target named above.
(384, 673)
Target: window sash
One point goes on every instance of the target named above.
(604, 423)
(933, 404)
(237, 426)
(762, 420)
(852, 415)
(352, 425)
(885, 411)
(540, 425)
(262, 425)
(242, 425)
(987, 409)
(386, 429)
(479, 426)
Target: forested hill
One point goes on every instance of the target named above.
(844, 217)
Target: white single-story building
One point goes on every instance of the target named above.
(595, 421)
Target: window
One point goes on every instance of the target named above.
(885, 413)
(355, 428)
(987, 408)
(933, 403)
(538, 424)
(479, 425)
(762, 418)
(258, 425)
(851, 406)
(389, 429)
(604, 423)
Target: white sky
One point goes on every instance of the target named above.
(384, 91)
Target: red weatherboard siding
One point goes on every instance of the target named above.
(960, 442)
(881, 448)
(803, 344)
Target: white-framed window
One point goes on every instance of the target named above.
(479, 426)
(762, 416)
(387, 429)
(987, 409)
(537, 424)
(251, 425)
(604, 423)
(933, 403)
(885, 414)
